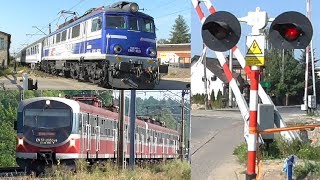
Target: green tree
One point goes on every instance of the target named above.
(292, 83)
(180, 31)
(163, 41)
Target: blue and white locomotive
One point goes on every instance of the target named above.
(112, 46)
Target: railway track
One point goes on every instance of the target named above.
(12, 171)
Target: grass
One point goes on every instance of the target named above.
(175, 170)
(281, 149)
(308, 168)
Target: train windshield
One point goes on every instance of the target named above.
(47, 118)
(134, 23)
(116, 22)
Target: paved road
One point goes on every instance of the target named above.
(215, 134)
(59, 83)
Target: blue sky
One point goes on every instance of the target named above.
(241, 9)
(19, 16)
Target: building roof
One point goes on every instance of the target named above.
(174, 45)
(1, 32)
(214, 66)
(184, 55)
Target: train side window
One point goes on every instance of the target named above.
(63, 36)
(96, 24)
(76, 31)
(58, 36)
(116, 22)
(147, 25)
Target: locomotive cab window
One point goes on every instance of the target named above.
(116, 22)
(133, 24)
(147, 25)
(96, 24)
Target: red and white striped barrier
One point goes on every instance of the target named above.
(232, 82)
(289, 135)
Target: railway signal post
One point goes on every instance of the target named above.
(132, 127)
(120, 157)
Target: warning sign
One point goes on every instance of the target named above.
(255, 50)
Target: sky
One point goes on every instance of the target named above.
(19, 16)
(241, 9)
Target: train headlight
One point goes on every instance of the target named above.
(134, 7)
(117, 49)
(72, 142)
(20, 141)
(48, 102)
(151, 52)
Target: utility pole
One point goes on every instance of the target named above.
(310, 47)
(132, 127)
(120, 159)
(231, 69)
(182, 127)
(205, 80)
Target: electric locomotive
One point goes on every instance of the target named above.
(112, 46)
(53, 130)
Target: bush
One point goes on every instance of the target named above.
(308, 168)
(241, 153)
(281, 149)
(176, 170)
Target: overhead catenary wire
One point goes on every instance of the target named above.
(44, 27)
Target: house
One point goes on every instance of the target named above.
(177, 55)
(5, 41)
(216, 79)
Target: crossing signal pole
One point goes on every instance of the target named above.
(221, 32)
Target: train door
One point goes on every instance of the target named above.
(83, 37)
(115, 142)
(168, 146)
(155, 145)
(88, 138)
(82, 134)
(137, 143)
(142, 144)
(163, 146)
(150, 144)
(97, 136)
(94, 32)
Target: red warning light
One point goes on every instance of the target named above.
(292, 33)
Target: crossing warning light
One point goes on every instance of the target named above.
(221, 31)
(290, 30)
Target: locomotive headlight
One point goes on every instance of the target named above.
(117, 49)
(72, 142)
(134, 7)
(20, 141)
(151, 52)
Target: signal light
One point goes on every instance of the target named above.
(221, 31)
(290, 30)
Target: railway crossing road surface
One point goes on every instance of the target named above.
(214, 136)
(58, 83)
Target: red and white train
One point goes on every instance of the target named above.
(52, 129)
